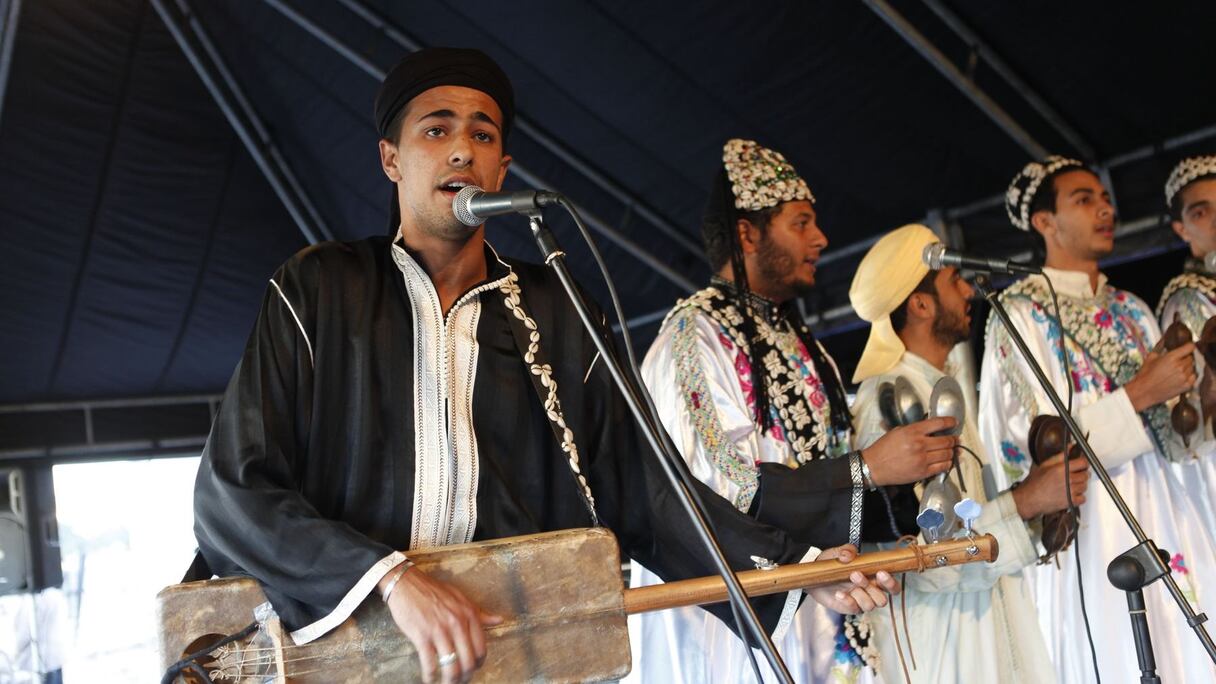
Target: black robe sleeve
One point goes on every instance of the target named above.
(813, 502)
(250, 515)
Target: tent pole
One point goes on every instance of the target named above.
(10, 10)
(241, 116)
(998, 64)
(946, 68)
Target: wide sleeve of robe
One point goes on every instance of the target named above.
(697, 391)
(250, 515)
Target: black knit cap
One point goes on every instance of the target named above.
(440, 66)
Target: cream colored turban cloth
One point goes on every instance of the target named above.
(888, 273)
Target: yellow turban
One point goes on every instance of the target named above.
(888, 273)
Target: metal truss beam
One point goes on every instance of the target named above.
(10, 10)
(200, 50)
(965, 85)
(528, 127)
(998, 64)
(74, 438)
(1138, 154)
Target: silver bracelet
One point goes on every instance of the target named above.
(865, 473)
(392, 584)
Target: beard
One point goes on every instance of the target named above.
(776, 268)
(950, 328)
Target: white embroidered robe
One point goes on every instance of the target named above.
(971, 623)
(1192, 298)
(1009, 401)
(686, 646)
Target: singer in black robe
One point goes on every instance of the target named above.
(312, 476)
(364, 420)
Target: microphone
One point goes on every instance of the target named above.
(936, 256)
(473, 206)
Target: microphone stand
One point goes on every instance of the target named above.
(660, 442)
(1137, 567)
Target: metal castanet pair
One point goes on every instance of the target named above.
(1185, 418)
(943, 509)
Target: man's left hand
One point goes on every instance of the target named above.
(859, 595)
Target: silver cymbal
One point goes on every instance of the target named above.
(947, 400)
(908, 404)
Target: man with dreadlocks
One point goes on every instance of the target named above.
(757, 409)
(1098, 351)
(1190, 194)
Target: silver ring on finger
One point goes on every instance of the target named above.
(447, 659)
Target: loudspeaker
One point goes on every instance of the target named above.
(29, 532)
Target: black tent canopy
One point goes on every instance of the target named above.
(158, 159)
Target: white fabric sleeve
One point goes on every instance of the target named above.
(1010, 398)
(867, 418)
(1114, 429)
(705, 412)
(366, 585)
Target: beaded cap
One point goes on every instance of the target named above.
(1188, 171)
(1028, 181)
(761, 178)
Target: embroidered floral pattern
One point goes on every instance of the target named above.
(553, 406)
(1105, 340)
(802, 413)
(691, 378)
(1015, 463)
(858, 631)
(846, 663)
(1178, 566)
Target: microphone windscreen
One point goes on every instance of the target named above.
(461, 208)
(932, 255)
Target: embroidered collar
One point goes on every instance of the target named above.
(527, 336)
(796, 390)
(761, 307)
(497, 270)
(1071, 283)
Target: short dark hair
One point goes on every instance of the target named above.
(1176, 204)
(927, 285)
(395, 126)
(1045, 200)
